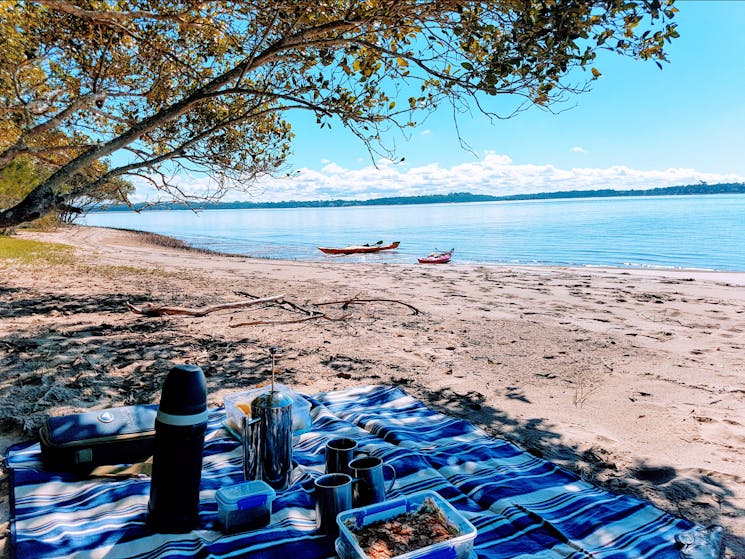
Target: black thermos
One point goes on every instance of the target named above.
(177, 459)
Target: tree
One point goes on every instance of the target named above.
(23, 173)
(207, 84)
(16, 179)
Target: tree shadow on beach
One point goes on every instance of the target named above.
(699, 497)
(107, 357)
(54, 303)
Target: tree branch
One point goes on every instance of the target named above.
(109, 16)
(151, 310)
(357, 301)
(291, 321)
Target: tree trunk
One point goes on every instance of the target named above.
(36, 204)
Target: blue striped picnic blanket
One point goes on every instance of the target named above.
(522, 506)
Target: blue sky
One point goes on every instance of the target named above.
(639, 127)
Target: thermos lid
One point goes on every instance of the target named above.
(184, 394)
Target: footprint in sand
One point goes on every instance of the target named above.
(724, 432)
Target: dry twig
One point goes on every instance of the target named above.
(151, 310)
(311, 314)
(356, 301)
(293, 321)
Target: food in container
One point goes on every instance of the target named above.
(244, 407)
(427, 511)
(238, 404)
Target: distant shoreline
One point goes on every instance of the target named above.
(452, 198)
(591, 231)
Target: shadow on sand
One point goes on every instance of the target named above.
(123, 360)
(699, 498)
(113, 362)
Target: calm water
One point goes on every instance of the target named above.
(697, 232)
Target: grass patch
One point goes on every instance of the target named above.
(35, 252)
(169, 242)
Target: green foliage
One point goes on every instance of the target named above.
(34, 252)
(17, 179)
(183, 85)
(81, 197)
(23, 174)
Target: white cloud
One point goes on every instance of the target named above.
(578, 149)
(493, 174)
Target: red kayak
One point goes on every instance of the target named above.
(359, 249)
(437, 257)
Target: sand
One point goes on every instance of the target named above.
(635, 379)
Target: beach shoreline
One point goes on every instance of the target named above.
(632, 378)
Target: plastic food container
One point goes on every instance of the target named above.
(301, 420)
(457, 547)
(244, 506)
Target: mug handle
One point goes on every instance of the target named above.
(393, 481)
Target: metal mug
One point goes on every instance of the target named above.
(333, 495)
(339, 453)
(369, 480)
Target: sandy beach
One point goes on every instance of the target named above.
(634, 379)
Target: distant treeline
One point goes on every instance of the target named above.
(460, 197)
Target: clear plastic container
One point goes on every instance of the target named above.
(301, 420)
(244, 506)
(457, 547)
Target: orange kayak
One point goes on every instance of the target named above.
(358, 249)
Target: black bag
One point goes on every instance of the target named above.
(80, 442)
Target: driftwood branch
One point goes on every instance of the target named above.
(293, 321)
(277, 300)
(151, 310)
(298, 308)
(310, 315)
(356, 301)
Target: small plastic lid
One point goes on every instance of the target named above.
(245, 495)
